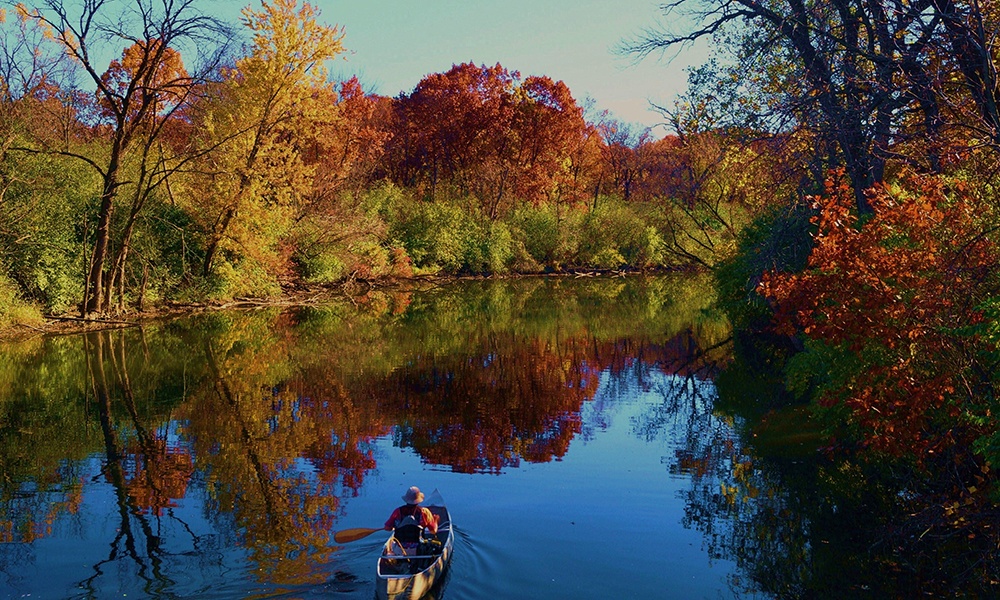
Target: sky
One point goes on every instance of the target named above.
(393, 44)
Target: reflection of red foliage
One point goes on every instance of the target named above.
(519, 401)
(157, 475)
(339, 444)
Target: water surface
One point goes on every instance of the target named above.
(568, 423)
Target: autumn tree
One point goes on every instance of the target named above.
(260, 118)
(483, 132)
(890, 307)
(137, 95)
(874, 81)
(623, 142)
(454, 130)
(551, 131)
(154, 161)
(349, 148)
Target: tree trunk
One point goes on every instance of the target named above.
(213, 241)
(95, 280)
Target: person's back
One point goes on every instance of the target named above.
(410, 526)
(409, 520)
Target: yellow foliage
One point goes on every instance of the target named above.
(268, 108)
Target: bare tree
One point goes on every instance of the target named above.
(138, 99)
(873, 78)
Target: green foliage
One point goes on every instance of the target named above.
(615, 235)
(444, 236)
(42, 212)
(537, 229)
(497, 249)
(166, 245)
(778, 240)
(322, 268)
(981, 414)
(371, 259)
(243, 278)
(13, 309)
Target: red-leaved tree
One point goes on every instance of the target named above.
(892, 304)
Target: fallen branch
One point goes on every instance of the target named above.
(84, 320)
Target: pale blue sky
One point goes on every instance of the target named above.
(395, 43)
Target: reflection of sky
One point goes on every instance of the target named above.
(602, 522)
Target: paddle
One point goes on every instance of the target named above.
(351, 535)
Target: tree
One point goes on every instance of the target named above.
(349, 149)
(485, 133)
(260, 117)
(550, 131)
(872, 80)
(137, 95)
(155, 161)
(41, 196)
(891, 306)
(454, 131)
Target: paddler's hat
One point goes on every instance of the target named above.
(413, 496)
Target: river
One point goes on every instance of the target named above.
(571, 426)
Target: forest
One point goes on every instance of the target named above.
(249, 170)
(834, 166)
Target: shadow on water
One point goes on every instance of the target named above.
(214, 456)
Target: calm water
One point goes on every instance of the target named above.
(568, 423)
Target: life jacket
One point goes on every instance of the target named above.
(409, 525)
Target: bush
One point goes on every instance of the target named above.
(779, 240)
(370, 259)
(537, 229)
(244, 278)
(614, 235)
(441, 236)
(13, 309)
(497, 249)
(40, 233)
(321, 267)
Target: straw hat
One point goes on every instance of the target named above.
(413, 496)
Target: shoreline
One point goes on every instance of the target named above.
(294, 294)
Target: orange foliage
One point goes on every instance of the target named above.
(485, 132)
(895, 291)
(149, 78)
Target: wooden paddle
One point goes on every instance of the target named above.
(350, 535)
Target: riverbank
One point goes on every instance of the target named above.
(294, 293)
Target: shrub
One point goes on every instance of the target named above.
(497, 249)
(370, 259)
(895, 291)
(244, 278)
(779, 239)
(537, 229)
(14, 310)
(614, 235)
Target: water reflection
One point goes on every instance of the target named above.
(228, 444)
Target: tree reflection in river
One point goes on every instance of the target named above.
(267, 420)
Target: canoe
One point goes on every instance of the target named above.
(409, 577)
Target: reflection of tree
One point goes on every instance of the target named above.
(277, 455)
(796, 524)
(509, 401)
(514, 398)
(275, 416)
(136, 538)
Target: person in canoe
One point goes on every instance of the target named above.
(409, 521)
